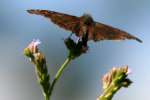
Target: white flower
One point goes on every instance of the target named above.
(33, 45)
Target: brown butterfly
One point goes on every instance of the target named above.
(85, 25)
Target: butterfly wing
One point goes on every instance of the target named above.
(106, 32)
(68, 22)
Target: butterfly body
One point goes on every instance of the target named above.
(85, 25)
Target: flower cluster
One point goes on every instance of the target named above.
(75, 48)
(113, 81)
(32, 49)
(38, 59)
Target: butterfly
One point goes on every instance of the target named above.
(84, 26)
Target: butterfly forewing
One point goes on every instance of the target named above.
(106, 32)
(65, 21)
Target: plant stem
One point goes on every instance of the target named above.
(59, 73)
(46, 96)
(109, 92)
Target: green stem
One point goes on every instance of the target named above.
(59, 73)
(46, 96)
(109, 92)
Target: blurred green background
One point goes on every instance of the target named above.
(81, 80)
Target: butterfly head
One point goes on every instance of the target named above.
(87, 19)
